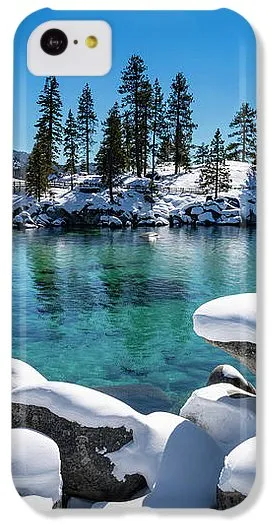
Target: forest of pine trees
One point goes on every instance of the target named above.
(142, 129)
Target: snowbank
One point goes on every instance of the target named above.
(25, 375)
(226, 412)
(229, 318)
(35, 465)
(91, 408)
(239, 471)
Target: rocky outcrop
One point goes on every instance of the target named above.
(230, 323)
(229, 374)
(86, 471)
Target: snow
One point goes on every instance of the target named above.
(232, 373)
(35, 465)
(229, 318)
(38, 503)
(94, 409)
(226, 412)
(188, 473)
(206, 217)
(25, 375)
(189, 470)
(239, 471)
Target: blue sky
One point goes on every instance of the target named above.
(214, 49)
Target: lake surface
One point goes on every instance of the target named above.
(108, 309)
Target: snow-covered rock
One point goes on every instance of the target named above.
(238, 475)
(226, 412)
(140, 184)
(206, 218)
(36, 465)
(43, 220)
(25, 375)
(188, 473)
(24, 220)
(111, 221)
(196, 210)
(58, 222)
(229, 374)
(230, 322)
(102, 440)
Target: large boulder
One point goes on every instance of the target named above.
(108, 450)
(229, 374)
(188, 473)
(225, 412)
(36, 468)
(230, 323)
(238, 475)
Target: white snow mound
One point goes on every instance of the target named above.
(229, 318)
(35, 465)
(239, 471)
(25, 375)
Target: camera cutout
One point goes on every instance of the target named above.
(54, 42)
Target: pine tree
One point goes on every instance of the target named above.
(110, 159)
(145, 124)
(215, 176)
(127, 137)
(243, 146)
(38, 168)
(202, 153)
(133, 80)
(165, 149)
(180, 120)
(50, 120)
(71, 145)
(158, 121)
(86, 120)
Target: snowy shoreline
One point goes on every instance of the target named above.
(135, 206)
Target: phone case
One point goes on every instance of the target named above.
(134, 253)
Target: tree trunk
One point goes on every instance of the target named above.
(217, 171)
(177, 138)
(145, 142)
(244, 141)
(154, 142)
(138, 168)
(87, 147)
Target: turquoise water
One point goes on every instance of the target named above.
(109, 309)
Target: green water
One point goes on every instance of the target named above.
(109, 309)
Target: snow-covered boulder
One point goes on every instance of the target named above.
(24, 220)
(23, 374)
(111, 221)
(140, 184)
(36, 465)
(230, 323)
(196, 210)
(58, 223)
(226, 412)
(160, 221)
(238, 475)
(188, 473)
(229, 221)
(108, 450)
(206, 218)
(43, 220)
(229, 374)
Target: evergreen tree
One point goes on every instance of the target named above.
(127, 136)
(165, 149)
(71, 145)
(86, 120)
(180, 120)
(158, 121)
(133, 80)
(110, 159)
(38, 168)
(50, 121)
(145, 124)
(202, 153)
(243, 146)
(215, 176)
